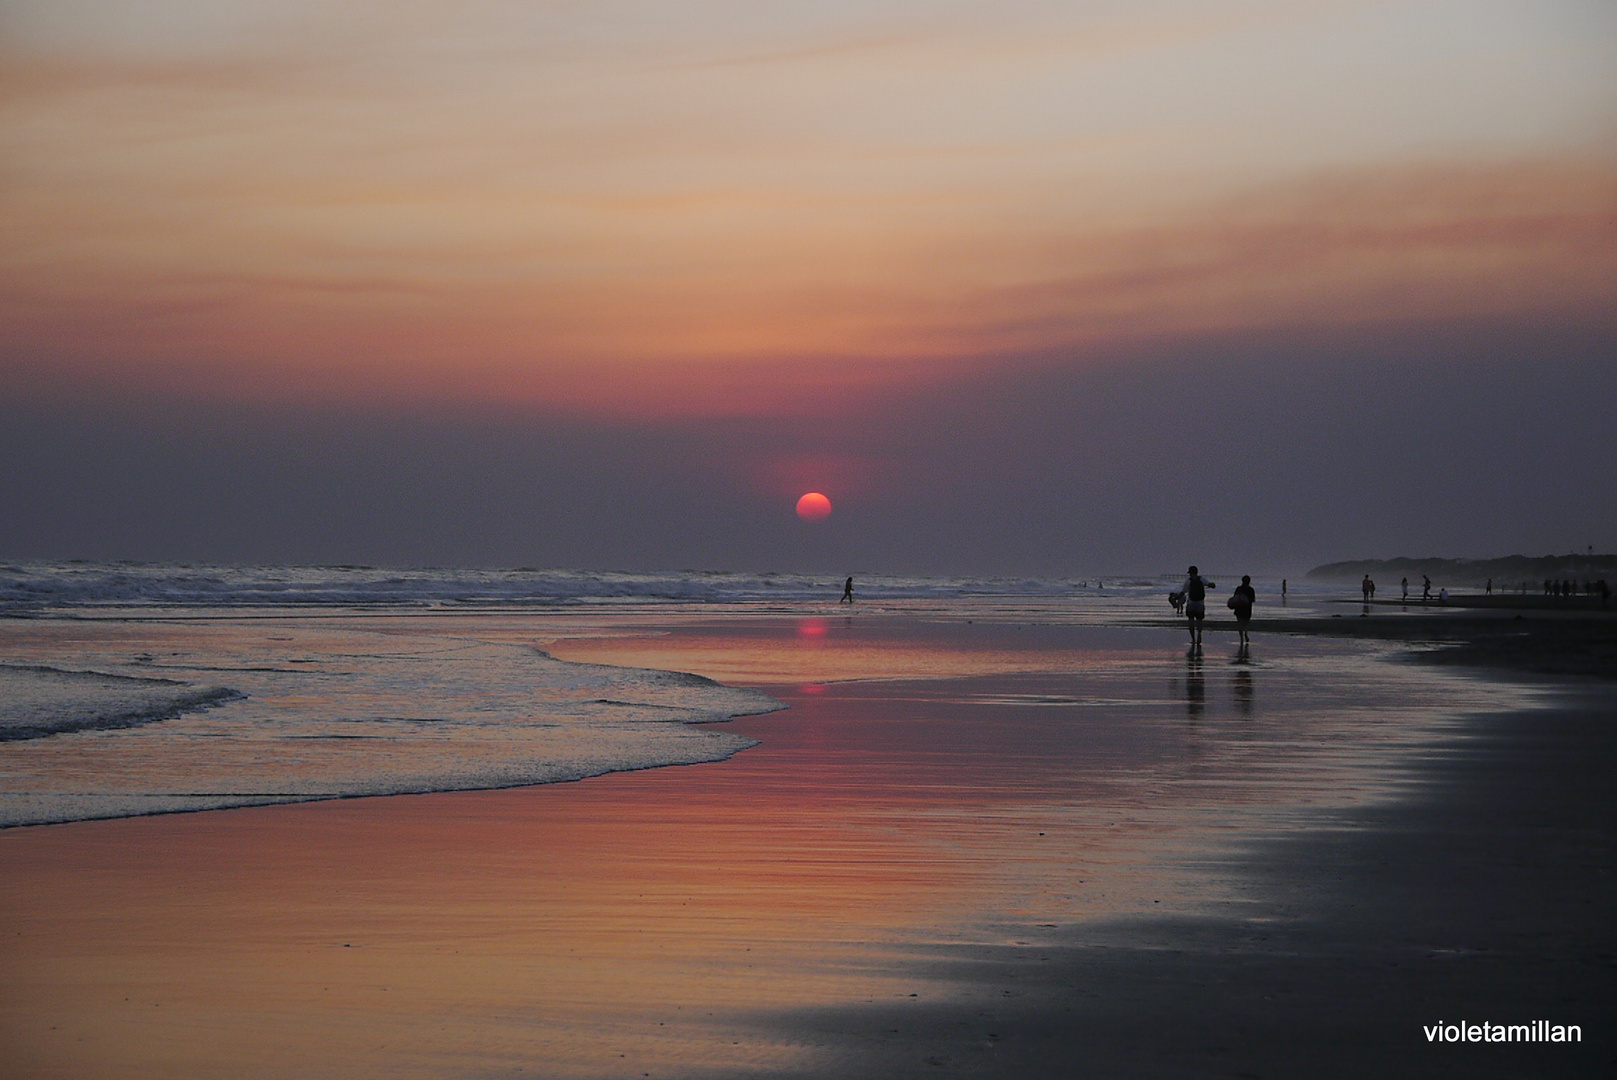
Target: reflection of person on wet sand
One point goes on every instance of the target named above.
(1243, 691)
(1195, 686)
(847, 593)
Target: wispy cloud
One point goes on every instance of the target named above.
(746, 204)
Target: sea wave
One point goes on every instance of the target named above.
(39, 701)
(320, 709)
(33, 587)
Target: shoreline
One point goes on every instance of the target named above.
(1560, 643)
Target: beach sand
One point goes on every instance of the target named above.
(907, 877)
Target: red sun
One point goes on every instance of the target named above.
(814, 507)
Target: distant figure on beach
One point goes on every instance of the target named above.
(1406, 590)
(847, 592)
(1367, 587)
(1282, 590)
(1442, 596)
(1195, 591)
(1176, 600)
(1241, 602)
(1425, 588)
(1489, 590)
(1604, 590)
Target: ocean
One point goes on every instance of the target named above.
(130, 689)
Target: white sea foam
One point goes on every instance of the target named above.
(313, 710)
(33, 587)
(39, 701)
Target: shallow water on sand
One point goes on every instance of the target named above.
(933, 783)
(119, 717)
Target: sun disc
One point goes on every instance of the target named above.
(814, 507)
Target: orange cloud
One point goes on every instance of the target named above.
(777, 321)
(548, 208)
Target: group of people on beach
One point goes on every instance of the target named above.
(1425, 590)
(1567, 587)
(1191, 600)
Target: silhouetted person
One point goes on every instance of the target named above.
(1425, 588)
(1241, 602)
(1176, 600)
(1490, 587)
(1406, 590)
(847, 592)
(1195, 591)
(1367, 587)
(1604, 590)
(1282, 591)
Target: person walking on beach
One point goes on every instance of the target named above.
(1406, 591)
(1282, 591)
(847, 592)
(1195, 590)
(1241, 602)
(1425, 588)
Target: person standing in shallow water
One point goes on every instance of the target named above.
(847, 592)
(1195, 590)
(1241, 602)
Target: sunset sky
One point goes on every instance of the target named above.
(1025, 286)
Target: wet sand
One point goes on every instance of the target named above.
(906, 878)
(1485, 900)
(1489, 633)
